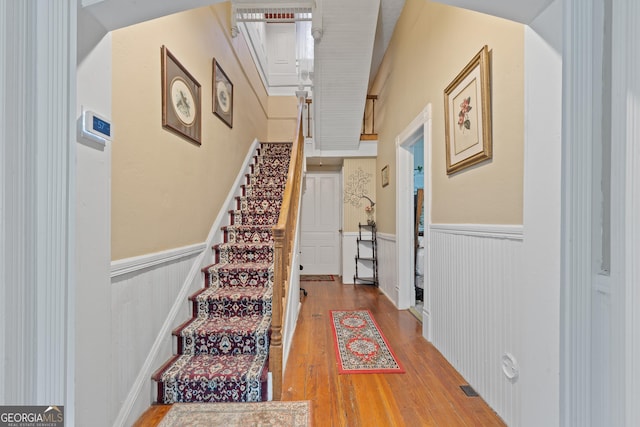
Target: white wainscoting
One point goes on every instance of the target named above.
(348, 256)
(387, 276)
(475, 279)
(142, 301)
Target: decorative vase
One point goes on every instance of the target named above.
(370, 220)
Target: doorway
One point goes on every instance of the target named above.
(320, 220)
(418, 227)
(407, 233)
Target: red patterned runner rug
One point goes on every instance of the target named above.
(360, 346)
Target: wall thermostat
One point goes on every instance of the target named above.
(95, 127)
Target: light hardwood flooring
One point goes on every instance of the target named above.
(428, 394)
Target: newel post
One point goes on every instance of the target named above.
(275, 352)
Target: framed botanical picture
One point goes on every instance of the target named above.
(467, 103)
(180, 99)
(385, 175)
(222, 94)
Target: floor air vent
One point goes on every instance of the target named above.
(469, 391)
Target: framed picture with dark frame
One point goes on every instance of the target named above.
(467, 103)
(385, 175)
(181, 111)
(222, 94)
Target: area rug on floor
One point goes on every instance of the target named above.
(316, 278)
(360, 346)
(294, 414)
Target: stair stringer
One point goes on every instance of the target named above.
(192, 282)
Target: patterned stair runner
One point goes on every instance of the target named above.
(223, 350)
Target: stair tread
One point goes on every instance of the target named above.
(233, 293)
(201, 367)
(217, 325)
(244, 245)
(246, 267)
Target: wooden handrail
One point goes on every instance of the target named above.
(283, 236)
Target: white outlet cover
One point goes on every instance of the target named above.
(510, 367)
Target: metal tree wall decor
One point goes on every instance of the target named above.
(355, 187)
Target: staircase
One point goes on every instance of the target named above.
(223, 350)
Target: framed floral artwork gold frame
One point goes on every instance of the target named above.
(467, 103)
(180, 99)
(222, 94)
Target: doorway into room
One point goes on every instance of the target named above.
(413, 195)
(418, 221)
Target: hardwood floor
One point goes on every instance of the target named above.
(428, 394)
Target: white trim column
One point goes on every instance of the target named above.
(577, 174)
(625, 213)
(38, 63)
(3, 222)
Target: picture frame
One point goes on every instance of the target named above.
(181, 99)
(385, 175)
(222, 94)
(467, 102)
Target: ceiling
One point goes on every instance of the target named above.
(355, 36)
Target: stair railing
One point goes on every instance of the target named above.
(283, 236)
(369, 117)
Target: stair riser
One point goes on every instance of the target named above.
(260, 206)
(235, 255)
(270, 168)
(275, 150)
(264, 191)
(224, 343)
(216, 278)
(230, 308)
(235, 235)
(262, 180)
(204, 391)
(244, 218)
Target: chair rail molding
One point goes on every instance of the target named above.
(133, 264)
(495, 231)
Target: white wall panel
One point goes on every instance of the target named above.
(541, 283)
(348, 256)
(387, 276)
(93, 236)
(475, 280)
(141, 302)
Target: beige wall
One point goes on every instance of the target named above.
(431, 44)
(359, 176)
(283, 111)
(167, 191)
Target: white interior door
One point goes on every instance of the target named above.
(320, 224)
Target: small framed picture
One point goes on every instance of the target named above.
(385, 176)
(222, 95)
(180, 99)
(467, 103)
